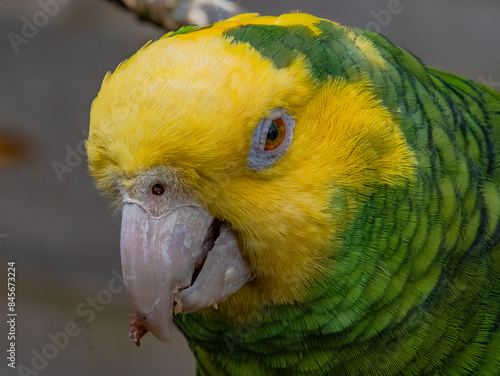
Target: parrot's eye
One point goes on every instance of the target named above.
(158, 189)
(271, 139)
(275, 134)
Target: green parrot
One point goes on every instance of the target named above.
(304, 198)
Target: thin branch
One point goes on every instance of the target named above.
(172, 14)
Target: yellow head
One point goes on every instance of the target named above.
(184, 110)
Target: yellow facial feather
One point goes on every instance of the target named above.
(197, 91)
(192, 103)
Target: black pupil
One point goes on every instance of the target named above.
(158, 189)
(273, 131)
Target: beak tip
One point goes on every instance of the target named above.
(138, 329)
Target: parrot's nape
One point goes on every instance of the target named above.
(303, 198)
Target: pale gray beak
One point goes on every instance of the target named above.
(182, 257)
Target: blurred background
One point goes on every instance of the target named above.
(72, 309)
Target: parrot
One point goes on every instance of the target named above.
(300, 197)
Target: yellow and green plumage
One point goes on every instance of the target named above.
(373, 241)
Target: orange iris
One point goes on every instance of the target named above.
(275, 134)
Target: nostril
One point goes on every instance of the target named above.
(158, 189)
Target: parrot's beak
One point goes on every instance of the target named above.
(182, 259)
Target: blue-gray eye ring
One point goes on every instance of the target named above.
(271, 139)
